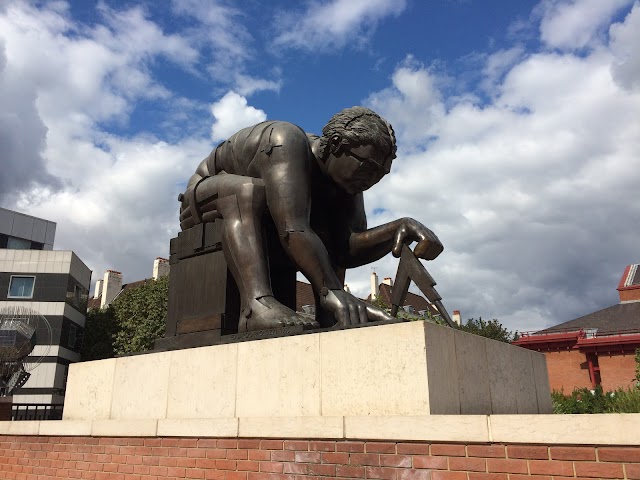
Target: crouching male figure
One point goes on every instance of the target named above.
(312, 188)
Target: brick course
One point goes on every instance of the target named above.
(91, 458)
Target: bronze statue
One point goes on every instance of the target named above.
(311, 187)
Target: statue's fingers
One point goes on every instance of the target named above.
(353, 314)
(435, 249)
(398, 242)
(362, 313)
(422, 249)
(342, 315)
(376, 315)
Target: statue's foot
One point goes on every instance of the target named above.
(266, 313)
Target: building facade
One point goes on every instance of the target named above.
(54, 284)
(597, 349)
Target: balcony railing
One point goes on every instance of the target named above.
(32, 411)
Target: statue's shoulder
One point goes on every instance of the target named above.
(268, 128)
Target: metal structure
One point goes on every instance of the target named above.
(410, 268)
(20, 328)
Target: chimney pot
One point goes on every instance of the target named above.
(161, 268)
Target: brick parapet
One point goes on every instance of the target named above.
(164, 458)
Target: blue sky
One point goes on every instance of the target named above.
(518, 126)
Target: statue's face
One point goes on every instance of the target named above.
(359, 168)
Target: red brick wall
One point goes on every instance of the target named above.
(631, 294)
(566, 372)
(617, 371)
(49, 458)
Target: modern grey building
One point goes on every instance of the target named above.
(53, 283)
(19, 231)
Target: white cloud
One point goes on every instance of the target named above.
(572, 24)
(114, 199)
(625, 44)
(247, 85)
(218, 29)
(532, 194)
(498, 64)
(333, 23)
(231, 114)
(413, 104)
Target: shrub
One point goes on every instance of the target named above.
(583, 400)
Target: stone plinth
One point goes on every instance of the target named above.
(402, 369)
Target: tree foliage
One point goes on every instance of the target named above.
(100, 331)
(130, 324)
(490, 329)
(140, 313)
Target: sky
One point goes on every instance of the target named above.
(518, 127)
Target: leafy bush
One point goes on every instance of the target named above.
(100, 330)
(141, 314)
(583, 400)
(490, 329)
(626, 401)
(130, 324)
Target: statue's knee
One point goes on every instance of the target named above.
(254, 194)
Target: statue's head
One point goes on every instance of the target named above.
(359, 146)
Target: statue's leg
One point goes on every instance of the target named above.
(241, 202)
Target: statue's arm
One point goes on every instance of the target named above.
(369, 245)
(287, 180)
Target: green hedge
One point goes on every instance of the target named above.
(583, 400)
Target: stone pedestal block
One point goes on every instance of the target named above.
(401, 369)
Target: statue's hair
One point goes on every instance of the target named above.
(361, 126)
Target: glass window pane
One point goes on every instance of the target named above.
(18, 244)
(21, 287)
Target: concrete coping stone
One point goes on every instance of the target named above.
(598, 429)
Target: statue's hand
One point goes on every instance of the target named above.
(348, 310)
(428, 247)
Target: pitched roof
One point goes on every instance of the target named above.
(94, 302)
(614, 319)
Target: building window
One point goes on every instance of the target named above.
(73, 336)
(21, 286)
(18, 243)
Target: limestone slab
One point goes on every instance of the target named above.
(441, 428)
(377, 370)
(140, 386)
(28, 427)
(65, 428)
(595, 429)
(198, 427)
(526, 394)
(291, 427)
(541, 381)
(89, 390)
(413, 369)
(442, 373)
(124, 428)
(279, 377)
(473, 374)
(202, 382)
(503, 379)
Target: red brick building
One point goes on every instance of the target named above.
(595, 349)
